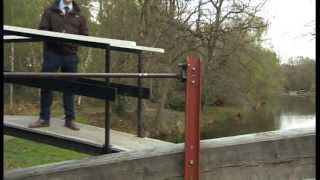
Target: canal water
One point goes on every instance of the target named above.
(287, 112)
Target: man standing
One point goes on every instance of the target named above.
(63, 16)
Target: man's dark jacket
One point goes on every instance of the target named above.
(74, 22)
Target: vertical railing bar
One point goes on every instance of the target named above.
(140, 120)
(107, 148)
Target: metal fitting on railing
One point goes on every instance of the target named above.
(183, 71)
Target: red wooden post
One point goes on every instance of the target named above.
(192, 123)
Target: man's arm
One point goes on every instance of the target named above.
(84, 27)
(45, 21)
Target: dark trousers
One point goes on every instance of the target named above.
(52, 63)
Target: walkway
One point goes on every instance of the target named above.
(90, 134)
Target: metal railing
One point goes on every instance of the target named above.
(191, 74)
(76, 82)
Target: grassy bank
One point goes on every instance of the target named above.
(20, 153)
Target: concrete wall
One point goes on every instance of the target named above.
(276, 155)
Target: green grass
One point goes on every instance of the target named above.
(20, 153)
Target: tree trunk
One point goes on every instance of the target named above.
(40, 65)
(151, 89)
(79, 100)
(85, 66)
(12, 70)
(34, 59)
(159, 122)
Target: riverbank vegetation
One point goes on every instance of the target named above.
(299, 75)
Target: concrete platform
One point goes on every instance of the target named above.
(92, 134)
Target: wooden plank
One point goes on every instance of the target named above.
(91, 41)
(63, 36)
(88, 134)
(9, 39)
(55, 140)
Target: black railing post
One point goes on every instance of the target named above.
(107, 125)
(140, 121)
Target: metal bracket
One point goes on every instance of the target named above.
(183, 71)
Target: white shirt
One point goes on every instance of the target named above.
(62, 5)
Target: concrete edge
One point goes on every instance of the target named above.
(158, 151)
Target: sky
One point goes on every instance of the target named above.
(290, 27)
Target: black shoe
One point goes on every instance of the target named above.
(39, 123)
(71, 125)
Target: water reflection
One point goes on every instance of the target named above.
(296, 112)
(278, 113)
(292, 121)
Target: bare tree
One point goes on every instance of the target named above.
(215, 19)
(12, 70)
